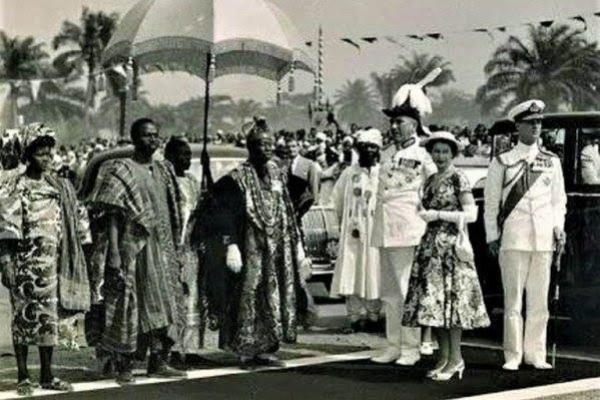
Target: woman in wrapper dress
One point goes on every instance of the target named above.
(444, 291)
(41, 257)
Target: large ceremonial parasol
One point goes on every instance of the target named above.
(209, 38)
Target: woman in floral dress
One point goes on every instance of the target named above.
(444, 291)
(41, 257)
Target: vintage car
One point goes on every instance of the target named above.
(565, 134)
(320, 226)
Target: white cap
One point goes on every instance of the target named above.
(527, 110)
(321, 136)
(370, 136)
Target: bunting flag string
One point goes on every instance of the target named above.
(437, 36)
(351, 42)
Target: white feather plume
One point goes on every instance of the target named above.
(430, 77)
(420, 101)
(415, 94)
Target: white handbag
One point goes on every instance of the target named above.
(463, 248)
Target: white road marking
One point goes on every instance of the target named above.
(563, 354)
(201, 374)
(520, 394)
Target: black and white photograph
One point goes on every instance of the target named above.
(300, 199)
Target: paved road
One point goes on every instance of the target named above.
(360, 380)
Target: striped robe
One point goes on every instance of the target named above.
(147, 206)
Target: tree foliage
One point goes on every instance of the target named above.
(557, 65)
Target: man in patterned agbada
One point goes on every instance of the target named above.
(265, 258)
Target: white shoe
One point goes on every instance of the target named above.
(389, 355)
(407, 360)
(540, 365)
(426, 348)
(511, 366)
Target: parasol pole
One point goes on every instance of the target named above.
(122, 113)
(206, 174)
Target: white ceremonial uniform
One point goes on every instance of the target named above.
(526, 244)
(357, 271)
(590, 165)
(397, 231)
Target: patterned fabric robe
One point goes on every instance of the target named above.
(259, 303)
(190, 332)
(145, 200)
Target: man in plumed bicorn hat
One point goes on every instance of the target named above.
(398, 228)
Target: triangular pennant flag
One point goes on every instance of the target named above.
(308, 44)
(436, 36)
(351, 42)
(501, 28)
(484, 30)
(546, 24)
(35, 88)
(369, 39)
(582, 20)
(417, 37)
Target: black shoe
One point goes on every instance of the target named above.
(158, 368)
(269, 360)
(246, 362)
(124, 369)
(125, 378)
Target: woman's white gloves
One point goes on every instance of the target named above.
(467, 216)
(234, 258)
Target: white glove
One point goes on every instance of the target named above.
(468, 215)
(234, 258)
(428, 215)
(304, 263)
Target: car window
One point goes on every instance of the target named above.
(589, 156)
(218, 167)
(553, 140)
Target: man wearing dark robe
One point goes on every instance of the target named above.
(264, 257)
(139, 198)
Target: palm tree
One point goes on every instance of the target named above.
(243, 110)
(557, 65)
(90, 39)
(357, 103)
(411, 70)
(20, 60)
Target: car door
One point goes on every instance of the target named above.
(580, 272)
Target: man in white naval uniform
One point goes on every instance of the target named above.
(397, 226)
(525, 206)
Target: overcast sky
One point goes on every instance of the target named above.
(467, 52)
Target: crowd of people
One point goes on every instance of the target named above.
(154, 261)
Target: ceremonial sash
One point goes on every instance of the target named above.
(519, 189)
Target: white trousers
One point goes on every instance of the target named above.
(396, 265)
(529, 271)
